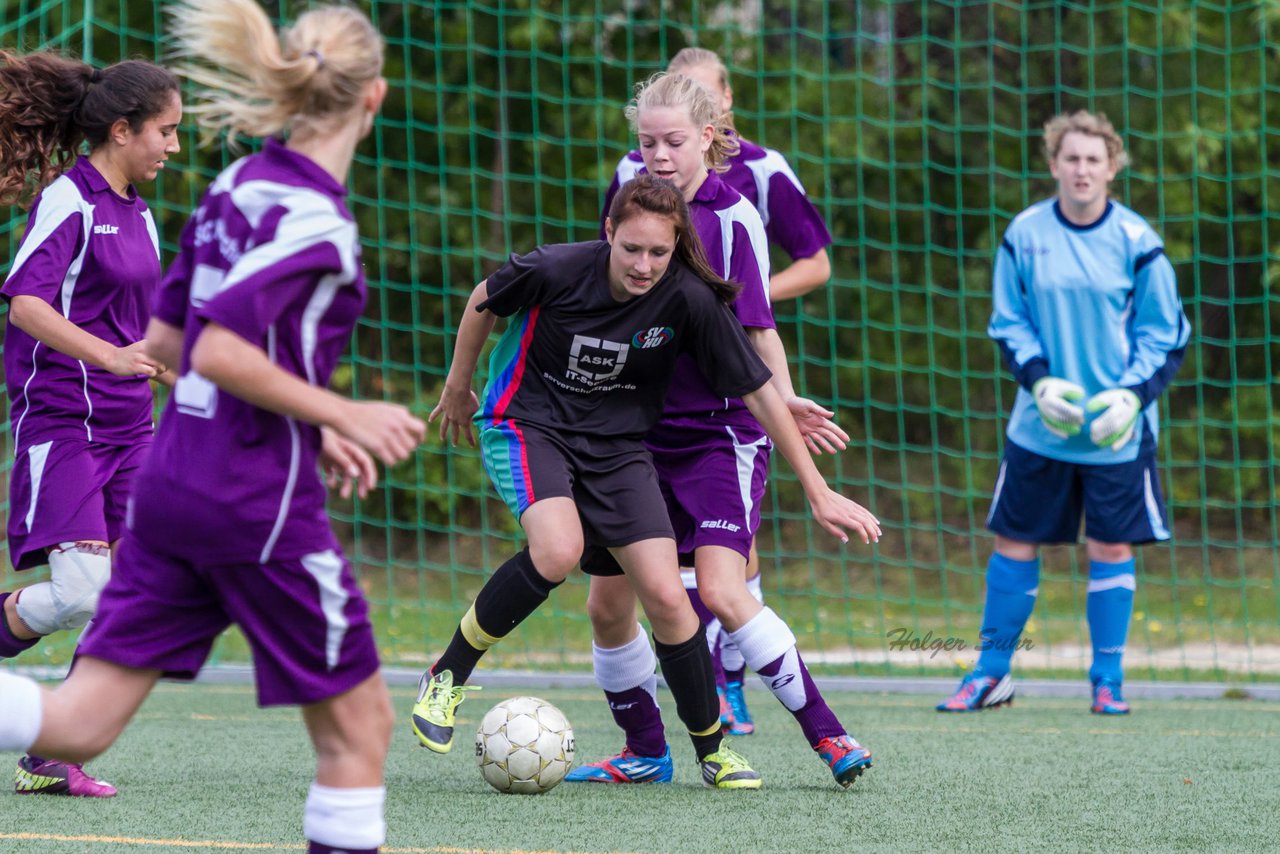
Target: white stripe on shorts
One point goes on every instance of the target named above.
(1158, 530)
(995, 499)
(37, 456)
(746, 458)
(326, 568)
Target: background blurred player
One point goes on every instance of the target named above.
(228, 519)
(711, 455)
(576, 382)
(79, 293)
(1087, 315)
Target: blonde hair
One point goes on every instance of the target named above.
(1083, 121)
(665, 89)
(700, 57)
(257, 83)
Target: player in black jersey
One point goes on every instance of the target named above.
(576, 381)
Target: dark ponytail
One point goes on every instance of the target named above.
(49, 104)
(650, 194)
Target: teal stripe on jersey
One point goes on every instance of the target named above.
(506, 365)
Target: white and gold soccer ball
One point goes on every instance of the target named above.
(524, 746)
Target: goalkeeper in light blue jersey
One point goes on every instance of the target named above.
(1087, 315)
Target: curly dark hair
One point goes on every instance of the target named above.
(49, 104)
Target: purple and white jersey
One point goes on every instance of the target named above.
(731, 232)
(766, 180)
(271, 254)
(95, 257)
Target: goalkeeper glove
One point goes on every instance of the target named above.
(1053, 398)
(1114, 427)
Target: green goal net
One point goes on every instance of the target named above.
(915, 126)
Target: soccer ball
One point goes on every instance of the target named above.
(524, 746)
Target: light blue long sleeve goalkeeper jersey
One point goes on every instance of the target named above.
(1097, 305)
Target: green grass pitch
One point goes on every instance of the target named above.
(202, 769)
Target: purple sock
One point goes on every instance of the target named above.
(321, 848)
(814, 716)
(11, 644)
(637, 714)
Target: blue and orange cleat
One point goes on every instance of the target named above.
(741, 723)
(1107, 699)
(978, 691)
(626, 767)
(845, 756)
(726, 710)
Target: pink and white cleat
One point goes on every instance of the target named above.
(38, 776)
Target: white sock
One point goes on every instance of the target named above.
(21, 711)
(753, 585)
(632, 665)
(345, 818)
(763, 640)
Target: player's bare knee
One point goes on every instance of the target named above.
(555, 560)
(608, 614)
(667, 607)
(1109, 552)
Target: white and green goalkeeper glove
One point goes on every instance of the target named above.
(1053, 398)
(1120, 409)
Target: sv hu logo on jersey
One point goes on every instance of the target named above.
(647, 339)
(594, 361)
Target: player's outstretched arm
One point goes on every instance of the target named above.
(387, 430)
(833, 511)
(817, 429)
(458, 402)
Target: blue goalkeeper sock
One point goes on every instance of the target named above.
(1109, 607)
(1012, 586)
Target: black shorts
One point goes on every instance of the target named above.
(610, 480)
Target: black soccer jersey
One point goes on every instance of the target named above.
(575, 359)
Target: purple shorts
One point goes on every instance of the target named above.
(68, 490)
(713, 479)
(305, 619)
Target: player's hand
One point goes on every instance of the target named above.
(133, 361)
(346, 465)
(1053, 398)
(388, 431)
(1114, 427)
(839, 515)
(455, 409)
(820, 433)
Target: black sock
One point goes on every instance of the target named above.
(512, 593)
(691, 677)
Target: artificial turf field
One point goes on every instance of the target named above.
(203, 769)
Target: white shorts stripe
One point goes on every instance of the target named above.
(37, 456)
(1154, 517)
(746, 454)
(326, 568)
(995, 499)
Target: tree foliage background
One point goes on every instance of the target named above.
(915, 126)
